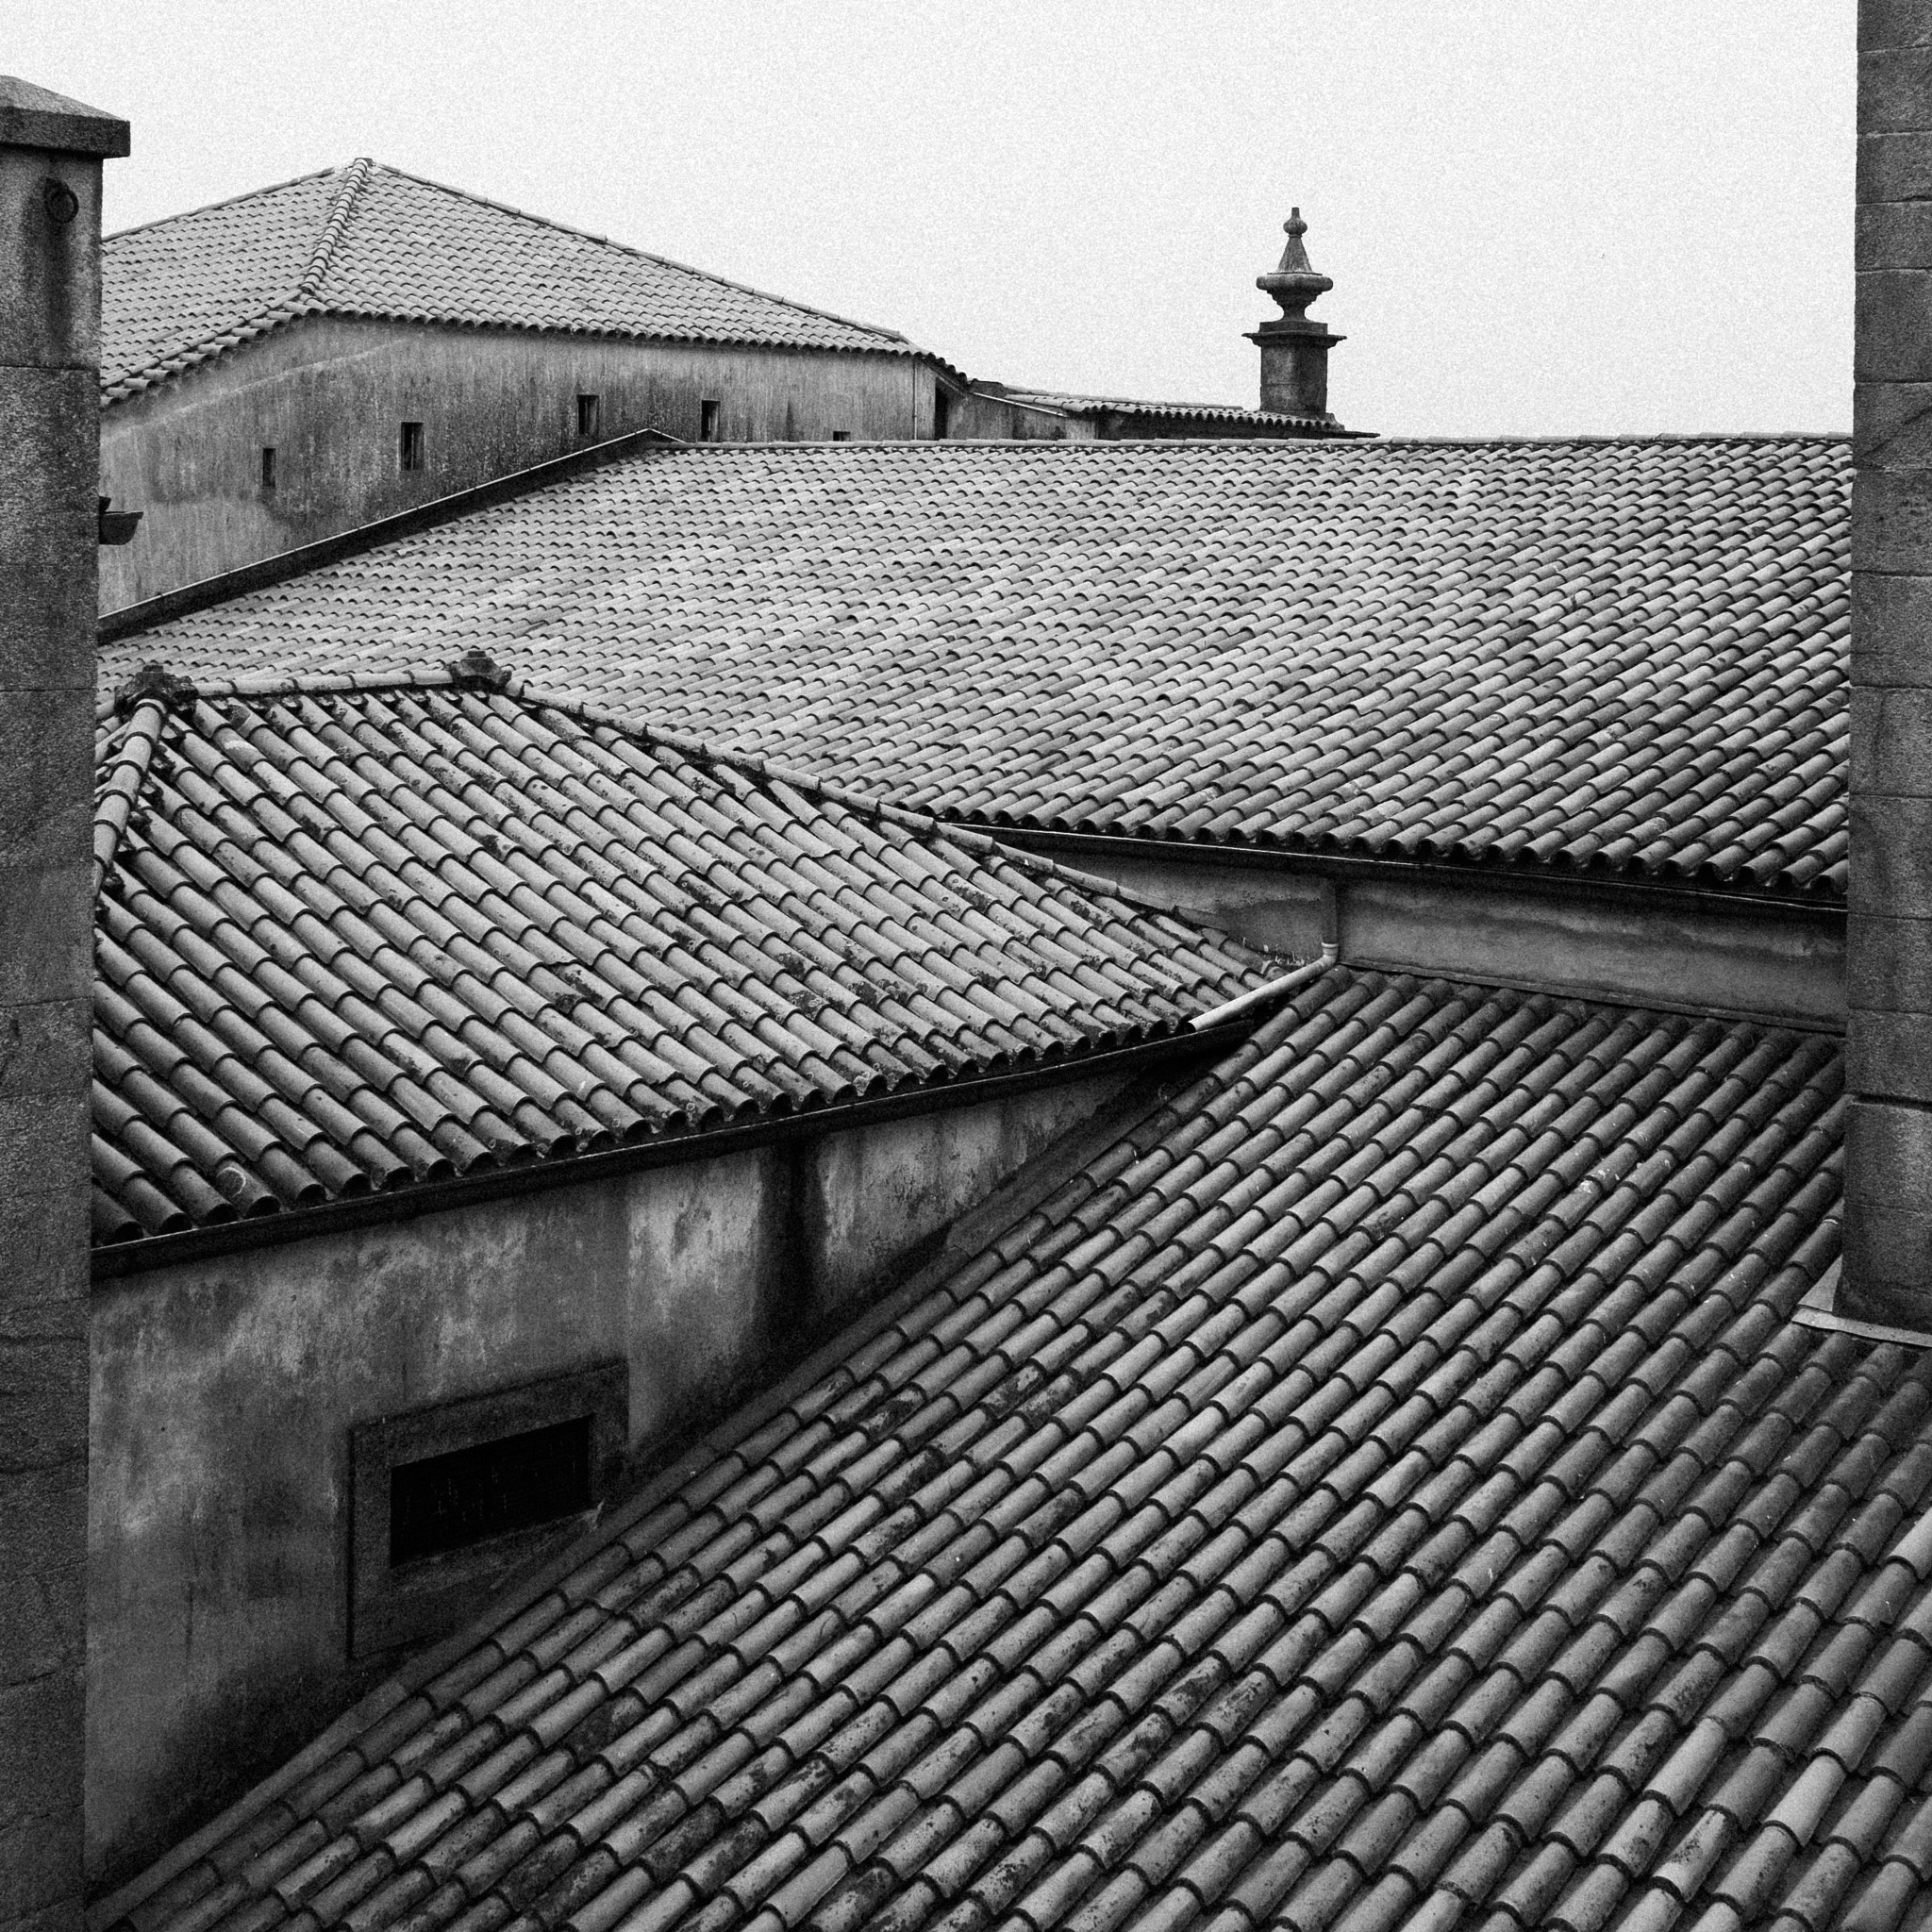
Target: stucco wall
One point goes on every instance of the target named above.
(977, 417)
(224, 1391)
(330, 395)
(1676, 951)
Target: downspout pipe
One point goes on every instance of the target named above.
(1255, 998)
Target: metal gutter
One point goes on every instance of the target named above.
(123, 1258)
(131, 619)
(1434, 871)
(1014, 403)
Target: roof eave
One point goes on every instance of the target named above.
(1185, 1042)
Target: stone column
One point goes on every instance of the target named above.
(50, 227)
(1888, 1230)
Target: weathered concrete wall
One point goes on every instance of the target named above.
(981, 418)
(224, 1391)
(330, 395)
(1887, 1227)
(50, 214)
(1670, 952)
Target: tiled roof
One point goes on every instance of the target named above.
(1624, 658)
(1385, 1488)
(1128, 405)
(352, 939)
(368, 239)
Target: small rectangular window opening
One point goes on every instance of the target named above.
(588, 414)
(268, 466)
(841, 435)
(445, 1500)
(707, 420)
(412, 447)
(489, 1490)
(942, 414)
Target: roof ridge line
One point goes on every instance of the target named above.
(1101, 400)
(524, 214)
(226, 201)
(1615, 436)
(968, 839)
(340, 207)
(325, 683)
(130, 763)
(585, 711)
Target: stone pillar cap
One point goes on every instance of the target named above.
(34, 116)
(1295, 283)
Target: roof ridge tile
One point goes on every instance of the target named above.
(342, 208)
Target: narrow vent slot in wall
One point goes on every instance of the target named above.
(411, 447)
(487, 1489)
(445, 1501)
(268, 466)
(707, 420)
(590, 412)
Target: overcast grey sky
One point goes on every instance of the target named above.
(1540, 215)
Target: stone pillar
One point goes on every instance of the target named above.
(50, 226)
(1294, 350)
(1888, 1229)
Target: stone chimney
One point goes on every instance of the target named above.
(1888, 1227)
(1294, 351)
(50, 215)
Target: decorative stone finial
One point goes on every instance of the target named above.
(1295, 284)
(1294, 349)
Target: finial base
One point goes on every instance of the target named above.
(1295, 368)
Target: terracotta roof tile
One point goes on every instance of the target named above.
(1100, 1678)
(1621, 658)
(1185, 412)
(371, 240)
(354, 939)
